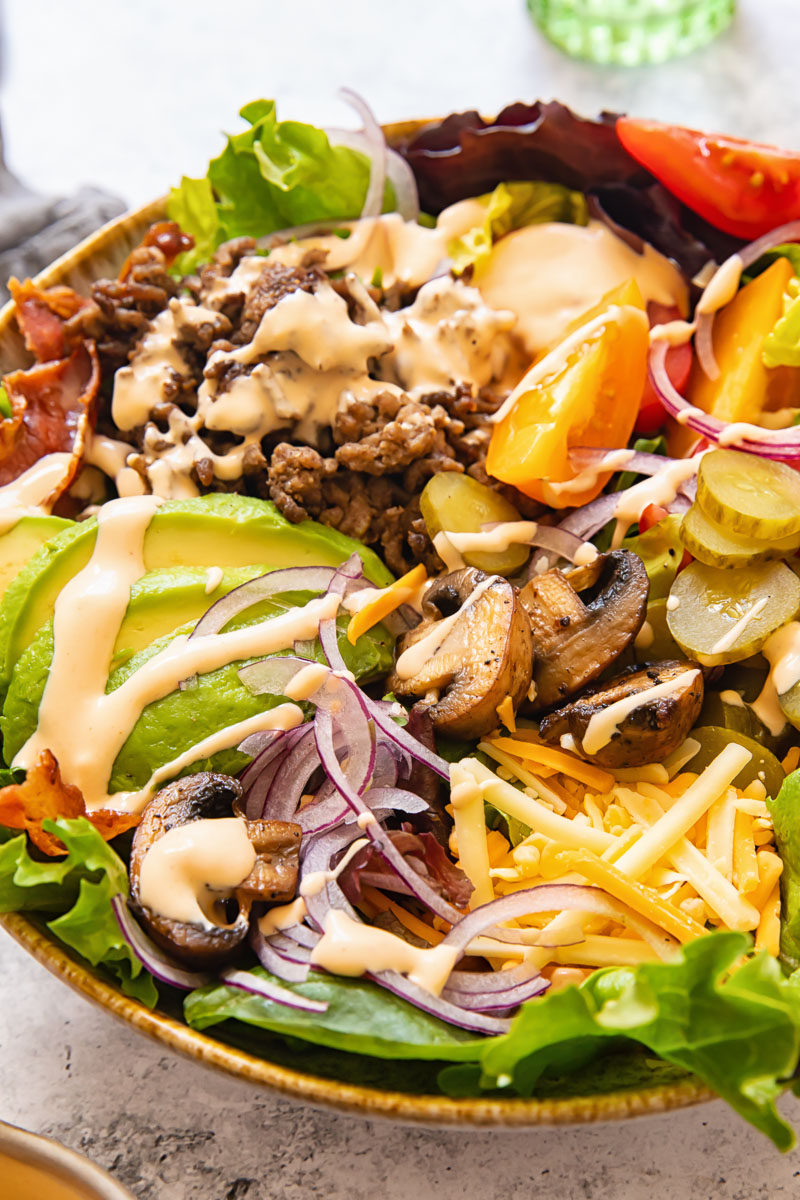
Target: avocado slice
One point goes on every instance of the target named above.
(209, 531)
(19, 543)
(174, 724)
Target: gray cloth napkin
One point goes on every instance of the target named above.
(35, 229)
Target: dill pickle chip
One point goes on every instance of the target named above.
(716, 546)
(460, 504)
(752, 496)
(719, 616)
(763, 765)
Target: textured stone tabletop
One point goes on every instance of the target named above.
(128, 96)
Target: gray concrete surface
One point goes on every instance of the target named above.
(129, 96)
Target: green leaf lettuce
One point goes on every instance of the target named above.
(738, 1030)
(80, 888)
(274, 175)
(511, 206)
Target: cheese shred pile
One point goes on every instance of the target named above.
(689, 852)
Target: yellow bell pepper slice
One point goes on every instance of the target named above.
(590, 397)
(387, 601)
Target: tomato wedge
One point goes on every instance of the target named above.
(744, 188)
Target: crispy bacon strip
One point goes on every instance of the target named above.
(168, 237)
(53, 407)
(44, 796)
(41, 313)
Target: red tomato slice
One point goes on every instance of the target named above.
(744, 188)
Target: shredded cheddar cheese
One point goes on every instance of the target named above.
(686, 852)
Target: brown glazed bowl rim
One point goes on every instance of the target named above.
(103, 251)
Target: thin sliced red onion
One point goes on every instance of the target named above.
(554, 897)
(273, 961)
(399, 735)
(402, 179)
(769, 443)
(704, 345)
(437, 1006)
(273, 583)
(585, 522)
(640, 462)
(498, 1001)
(246, 981)
(323, 726)
(290, 781)
(301, 935)
(486, 982)
(343, 581)
(703, 338)
(159, 964)
(375, 147)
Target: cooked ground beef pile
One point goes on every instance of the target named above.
(369, 468)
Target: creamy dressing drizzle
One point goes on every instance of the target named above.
(659, 489)
(590, 476)
(214, 577)
(201, 861)
(315, 881)
(349, 948)
(29, 493)
(84, 727)
(782, 652)
(674, 333)
(729, 696)
(551, 274)
(283, 916)
(307, 681)
(604, 724)
(729, 639)
(722, 286)
(285, 716)
(412, 660)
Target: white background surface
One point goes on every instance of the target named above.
(129, 96)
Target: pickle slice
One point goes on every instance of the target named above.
(763, 765)
(753, 496)
(720, 547)
(740, 719)
(461, 504)
(719, 616)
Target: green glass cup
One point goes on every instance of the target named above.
(630, 32)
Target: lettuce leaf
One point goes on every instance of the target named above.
(511, 206)
(80, 888)
(785, 812)
(274, 175)
(738, 1030)
(782, 344)
(361, 1017)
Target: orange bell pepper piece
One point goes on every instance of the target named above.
(589, 398)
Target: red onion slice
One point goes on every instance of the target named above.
(402, 738)
(703, 338)
(273, 961)
(160, 966)
(437, 1006)
(555, 897)
(769, 443)
(498, 1001)
(273, 583)
(704, 345)
(375, 148)
(246, 981)
(427, 895)
(402, 179)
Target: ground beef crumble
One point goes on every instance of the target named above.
(372, 465)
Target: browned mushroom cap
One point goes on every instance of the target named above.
(483, 655)
(577, 637)
(274, 877)
(647, 734)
